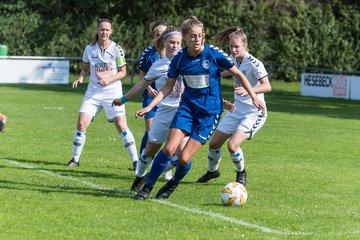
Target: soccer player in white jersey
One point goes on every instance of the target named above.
(245, 121)
(200, 107)
(168, 45)
(147, 58)
(105, 61)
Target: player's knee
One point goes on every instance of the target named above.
(183, 161)
(214, 145)
(232, 147)
(82, 125)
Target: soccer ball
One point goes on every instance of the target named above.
(234, 194)
(2, 122)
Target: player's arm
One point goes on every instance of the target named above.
(84, 71)
(135, 90)
(151, 91)
(263, 87)
(225, 73)
(246, 84)
(164, 91)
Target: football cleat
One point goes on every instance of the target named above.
(241, 177)
(72, 163)
(167, 190)
(208, 175)
(138, 183)
(143, 194)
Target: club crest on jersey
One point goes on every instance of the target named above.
(206, 64)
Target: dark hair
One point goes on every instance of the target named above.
(159, 42)
(101, 20)
(224, 36)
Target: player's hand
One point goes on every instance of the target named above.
(142, 112)
(229, 106)
(103, 82)
(117, 102)
(259, 104)
(151, 92)
(241, 91)
(76, 83)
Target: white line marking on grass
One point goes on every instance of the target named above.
(90, 184)
(192, 210)
(228, 219)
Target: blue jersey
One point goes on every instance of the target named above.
(147, 58)
(201, 75)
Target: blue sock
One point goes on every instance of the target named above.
(181, 172)
(158, 167)
(144, 141)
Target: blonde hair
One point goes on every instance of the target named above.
(224, 36)
(158, 23)
(154, 26)
(159, 42)
(190, 23)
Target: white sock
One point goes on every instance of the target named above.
(214, 158)
(78, 144)
(238, 160)
(143, 164)
(172, 164)
(129, 144)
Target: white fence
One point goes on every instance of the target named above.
(55, 70)
(42, 70)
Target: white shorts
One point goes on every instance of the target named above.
(160, 126)
(250, 123)
(94, 102)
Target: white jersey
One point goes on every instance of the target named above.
(254, 70)
(103, 64)
(158, 72)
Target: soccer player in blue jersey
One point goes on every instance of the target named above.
(200, 108)
(245, 121)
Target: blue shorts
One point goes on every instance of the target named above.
(146, 101)
(199, 127)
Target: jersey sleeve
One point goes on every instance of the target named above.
(223, 60)
(173, 71)
(85, 57)
(146, 58)
(120, 57)
(156, 71)
(259, 70)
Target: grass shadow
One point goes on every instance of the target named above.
(293, 102)
(42, 188)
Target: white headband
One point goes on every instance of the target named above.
(172, 33)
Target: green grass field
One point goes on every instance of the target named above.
(303, 174)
